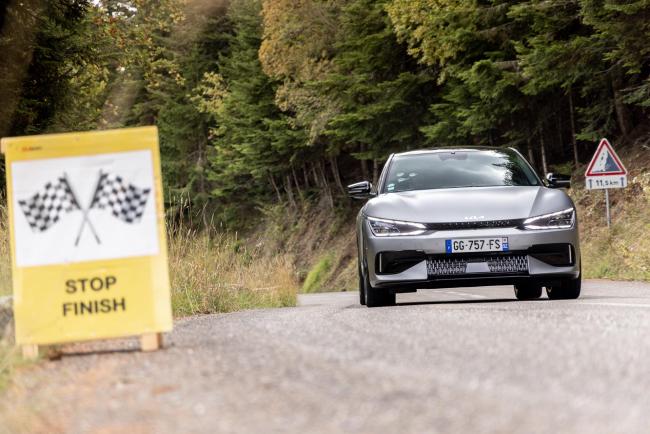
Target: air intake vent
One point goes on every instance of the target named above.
(505, 264)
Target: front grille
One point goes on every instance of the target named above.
(453, 266)
(508, 264)
(474, 225)
(446, 267)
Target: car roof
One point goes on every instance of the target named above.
(453, 149)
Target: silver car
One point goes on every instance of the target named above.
(465, 217)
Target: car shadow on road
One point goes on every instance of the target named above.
(482, 301)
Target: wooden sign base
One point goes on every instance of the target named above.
(148, 342)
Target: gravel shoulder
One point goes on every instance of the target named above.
(449, 361)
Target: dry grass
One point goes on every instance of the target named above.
(5, 258)
(7, 351)
(9, 359)
(220, 274)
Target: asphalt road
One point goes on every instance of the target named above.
(442, 361)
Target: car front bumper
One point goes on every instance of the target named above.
(523, 244)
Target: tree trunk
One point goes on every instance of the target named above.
(305, 175)
(326, 186)
(288, 189)
(275, 187)
(315, 175)
(541, 141)
(619, 108)
(364, 163)
(337, 176)
(375, 171)
(558, 116)
(295, 180)
(531, 153)
(200, 163)
(574, 141)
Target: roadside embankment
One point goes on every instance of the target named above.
(318, 240)
(621, 252)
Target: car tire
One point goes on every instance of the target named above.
(377, 297)
(362, 290)
(528, 291)
(568, 289)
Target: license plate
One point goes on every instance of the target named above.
(467, 245)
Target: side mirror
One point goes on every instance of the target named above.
(360, 190)
(558, 181)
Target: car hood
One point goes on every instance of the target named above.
(467, 204)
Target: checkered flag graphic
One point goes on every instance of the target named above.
(44, 208)
(125, 201)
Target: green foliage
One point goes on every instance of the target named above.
(184, 124)
(262, 101)
(529, 73)
(46, 54)
(382, 94)
(60, 48)
(253, 138)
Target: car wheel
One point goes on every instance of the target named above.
(362, 292)
(568, 289)
(377, 297)
(528, 291)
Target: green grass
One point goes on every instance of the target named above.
(318, 274)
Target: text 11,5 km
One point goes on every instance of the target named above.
(606, 182)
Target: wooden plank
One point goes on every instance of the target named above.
(150, 342)
(30, 352)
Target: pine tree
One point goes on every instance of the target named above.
(254, 139)
(381, 92)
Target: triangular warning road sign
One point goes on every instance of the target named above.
(605, 162)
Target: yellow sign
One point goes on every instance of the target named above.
(88, 243)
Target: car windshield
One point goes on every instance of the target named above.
(457, 169)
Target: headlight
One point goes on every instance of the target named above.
(391, 228)
(557, 220)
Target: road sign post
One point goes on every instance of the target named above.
(88, 243)
(605, 171)
(609, 219)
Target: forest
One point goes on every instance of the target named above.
(286, 101)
